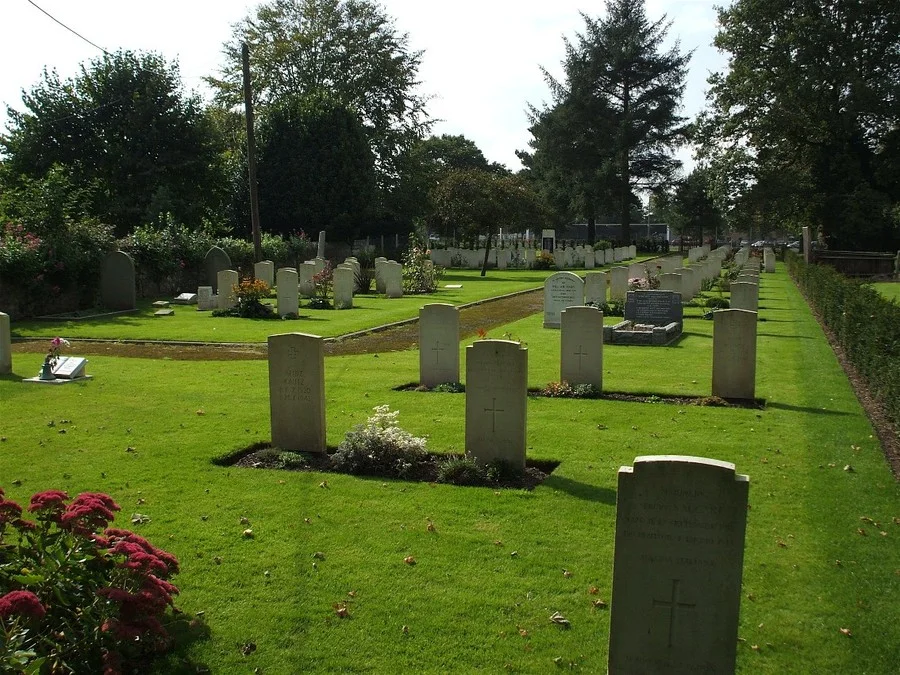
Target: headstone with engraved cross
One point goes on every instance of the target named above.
(438, 344)
(581, 346)
(297, 391)
(5, 345)
(496, 396)
(677, 567)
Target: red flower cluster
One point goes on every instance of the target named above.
(89, 511)
(9, 510)
(129, 543)
(49, 504)
(21, 603)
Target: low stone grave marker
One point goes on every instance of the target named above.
(164, 312)
(206, 301)
(297, 392)
(161, 303)
(69, 367)
(678, 562)
(185, 299)
(496, 398)
(658, 308)
(561, 290)
(581, 346)
(438, 344)
(734, 354)
(5, 345)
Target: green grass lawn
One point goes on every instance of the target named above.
(468, 604)
(188, 324)
(889, 289)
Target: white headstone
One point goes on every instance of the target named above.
(438, 344)
(618, 283)
(5, 345)
(670, 282)
(561, 290)
(745, 295)
(589, 258)
(205, 299)
(595, 284)
(734, 354)
(496, 397)
(227, 280)
(769, 260)
(297, 392)
(559, 258)
(379, 275)
(344, 282)
(264, 270)
(288, 292)
(581, 346)
(678, 562)
(392, 271)
(305, 274)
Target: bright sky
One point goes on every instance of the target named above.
(481, 63)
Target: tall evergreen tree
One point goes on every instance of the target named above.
(616, 110)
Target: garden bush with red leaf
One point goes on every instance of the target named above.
(78, 596)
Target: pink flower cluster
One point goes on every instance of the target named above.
(18, 234)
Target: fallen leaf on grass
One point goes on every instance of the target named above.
(498, 543)
(318, 555)
(593, 590)
(754, 647)
(139, 518)
(405, 630)
(567, 574)
(248, 648)
(522, 631)
(130, 449)
(430, 527)
(248, 533)
(846, 631)
(201, 412)
(341, 610)
(781, 544)
(849, 468)
(245, 520)
(409, 560)
(862, 532)
(599, 604)
(560, 620)
(352, 594)
(324, 484)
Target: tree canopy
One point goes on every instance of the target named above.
(130, 141)
(348, 49)
(614, 122)
(315, 170)
(805, 123)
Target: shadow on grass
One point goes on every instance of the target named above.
(185, 631)
(784, 335)
(805, 409)
(591, 493)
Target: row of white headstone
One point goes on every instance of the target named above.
(564, 257)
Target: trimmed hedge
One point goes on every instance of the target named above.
(866, 325)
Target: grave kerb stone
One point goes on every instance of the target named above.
(654, 307)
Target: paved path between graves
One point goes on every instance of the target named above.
(485, 314)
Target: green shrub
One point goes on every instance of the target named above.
(543, 261)
(420, 275)
(77, 596)
(249, 294)
(613, 308)
(460, 471)
(293, 460)
(717, 303)
(380, 447)
(866, 325)
(450, 388)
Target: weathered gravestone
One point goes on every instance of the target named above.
(496, 397)
(379, 275)
(69, 367)
(438, 344)
(287, 293)
(297, 392)
(305, 274)
(657, 308)
(392, 272)
(676, 594)
(117, 282)
(264, 270)
(618, 283)
(5, 345)
(559, 258)
(561, 290)
(185, 299)
(320, 250)
(670, 282)
(581, 346)
(344, 279)
(595, 287)
(205, 299)
(216, 260)
(734, 354)
(744, 295)
(769, 260)
(227, 280)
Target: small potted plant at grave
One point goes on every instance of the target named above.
(50, 361)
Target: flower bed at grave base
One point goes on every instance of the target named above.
(427, 470)
(629, 333)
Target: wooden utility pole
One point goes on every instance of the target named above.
(251, 155)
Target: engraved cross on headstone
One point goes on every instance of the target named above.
(292, 353)
(494, 410)
(437, 349)
(580, 353)
(672, 604)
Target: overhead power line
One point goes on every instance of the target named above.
(71, 30)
